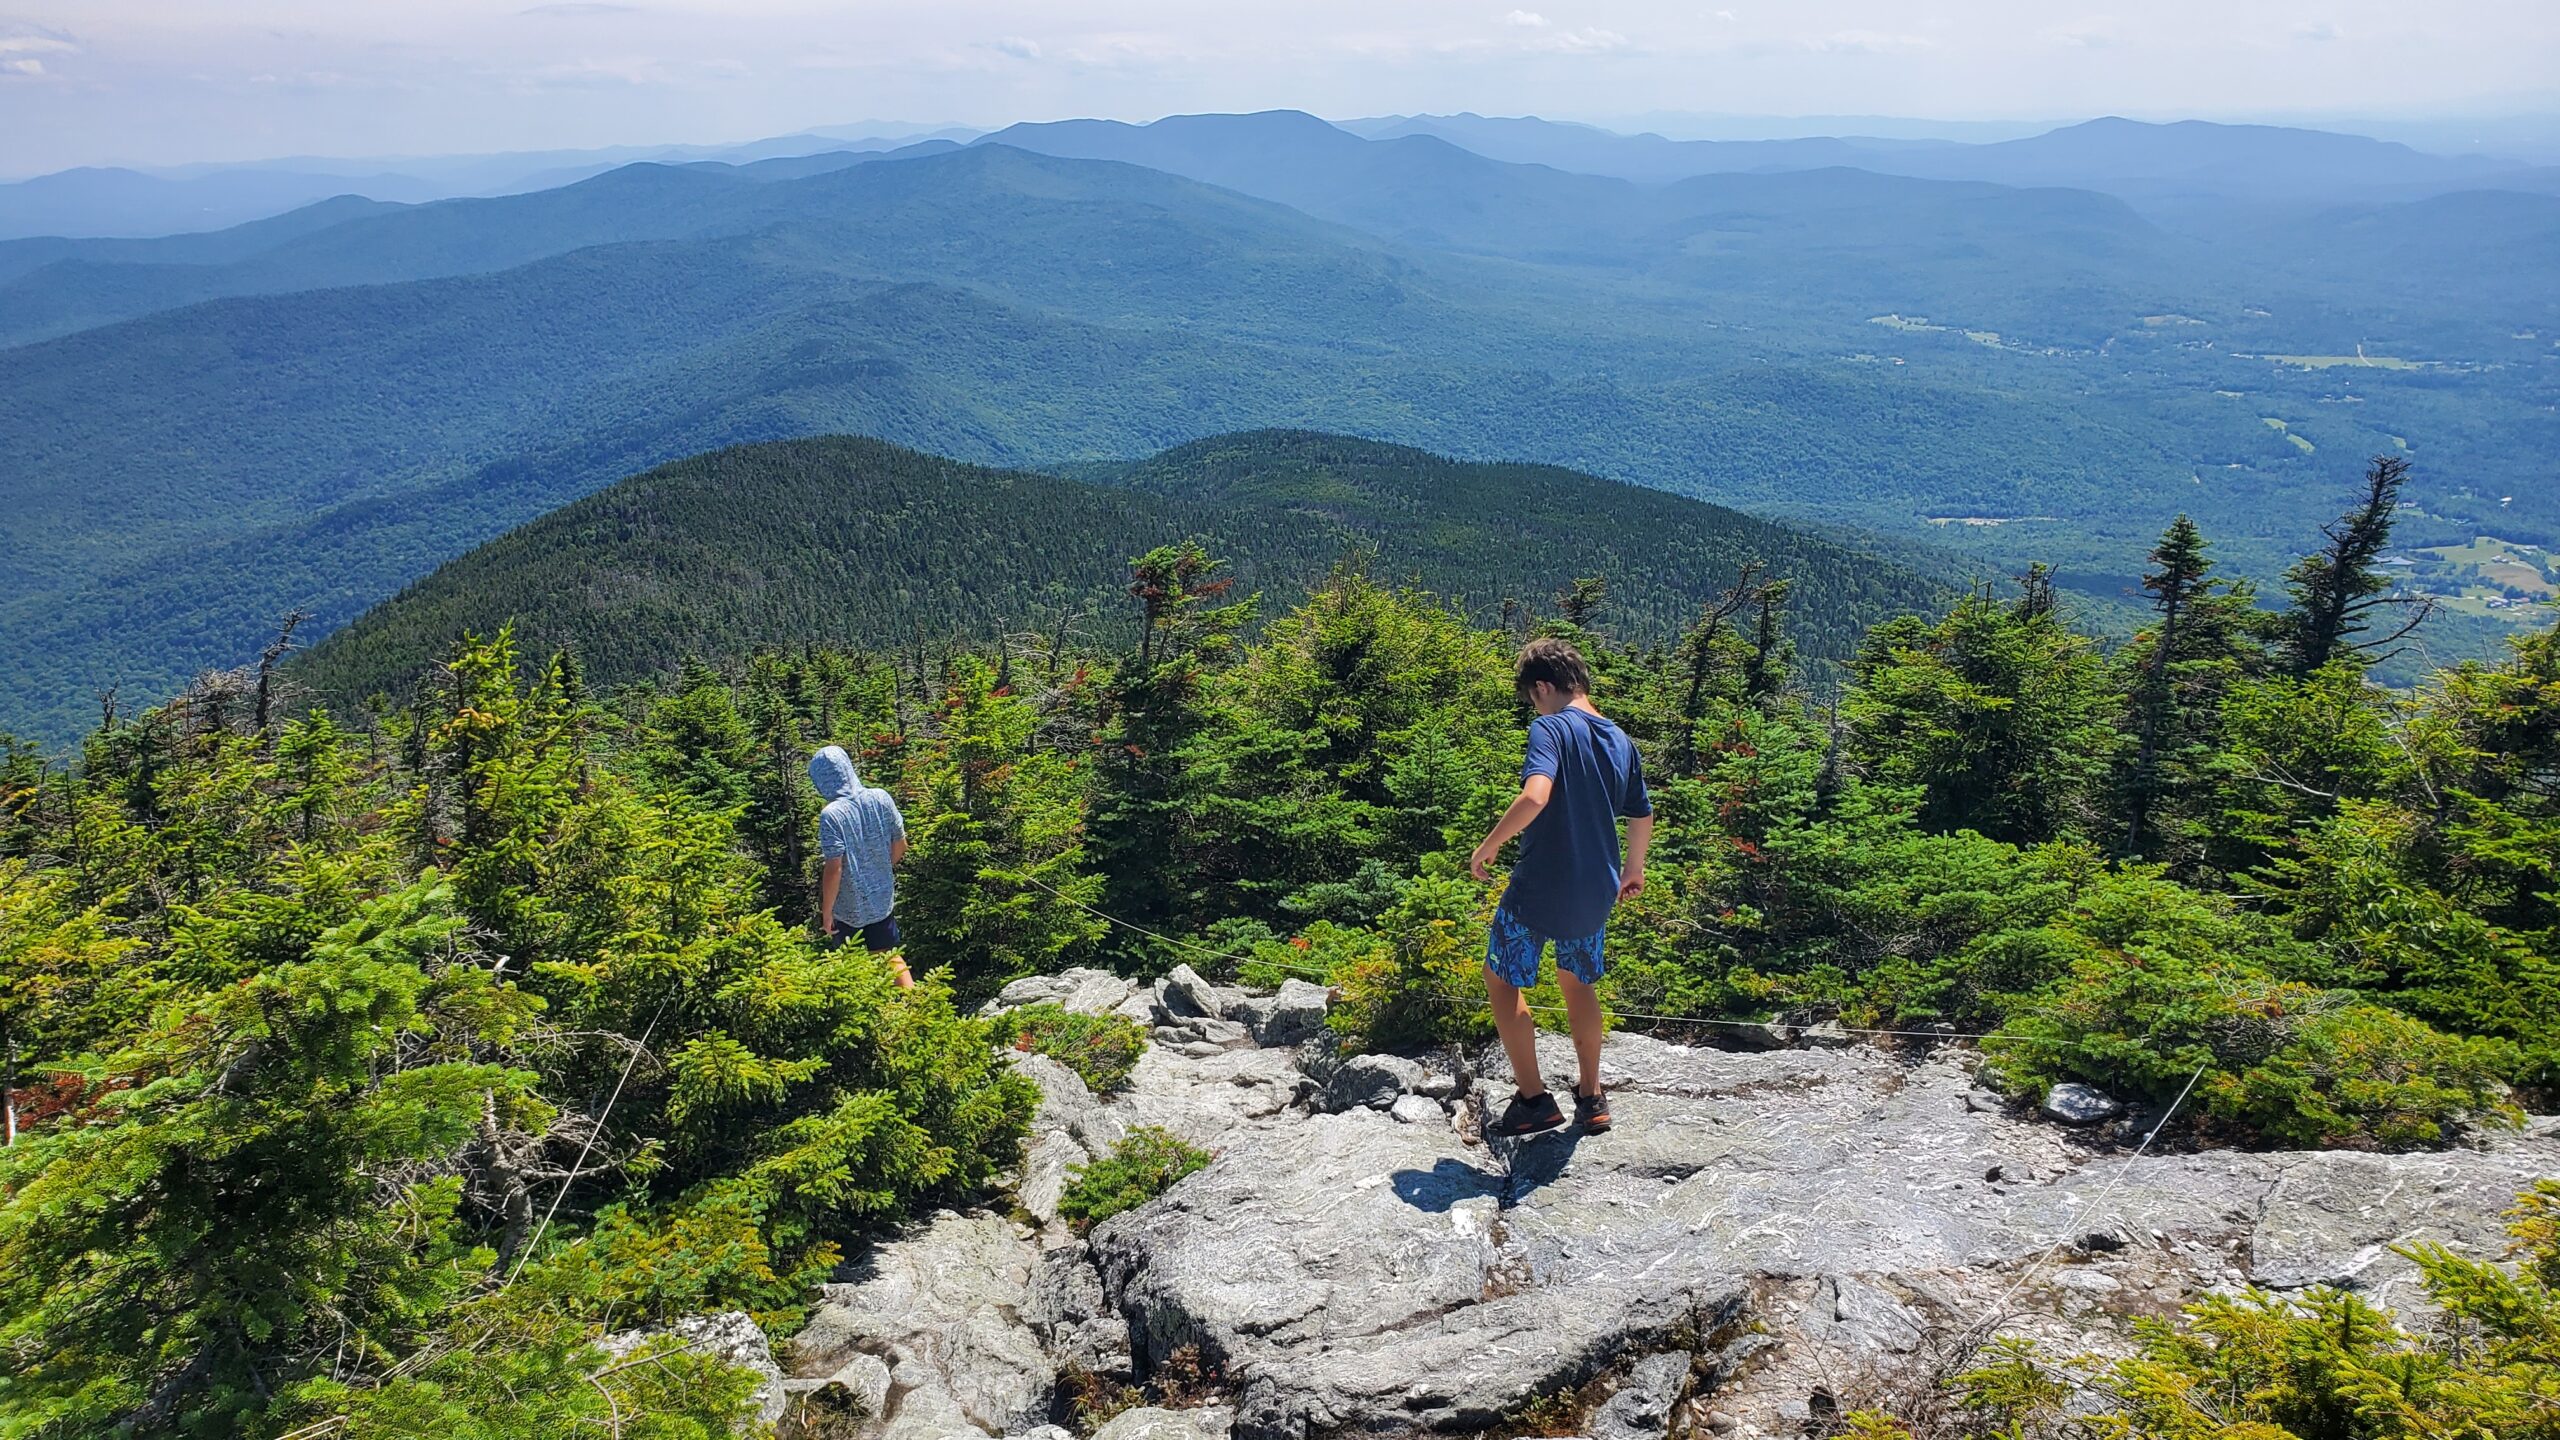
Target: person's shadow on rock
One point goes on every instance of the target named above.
(1536, 1162)
(1527, 1165)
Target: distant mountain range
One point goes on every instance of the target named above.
(842, 540)
(2130, 157)
(103, 201)
(2135, 159)
(316, 409)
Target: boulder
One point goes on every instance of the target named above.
(1029, 990)
(1096, 992)
(1189, 996)
(1084, 991)
(1417, 1110)
(1863, 1319)
(731, 1335)
(1640, 1408)
(944, 1305)
(1205, 1098)
(1072, 1127)
(1148, 1423)
(1292, 1017)
(866, 1379)
(1828, 1034)
(2073, 1103)
(1213, 1030)
(1072, 1316)
(1373, 1081)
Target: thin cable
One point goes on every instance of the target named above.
(579, 1164)
(1248, 958)
(1125, 925)
(1991, 1316)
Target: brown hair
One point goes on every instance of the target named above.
(1554, 661)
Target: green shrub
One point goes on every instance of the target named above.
(1419, 980)
(1103, 1049)
(1137, 1170)
(2257, 1366)
(2368, 1076)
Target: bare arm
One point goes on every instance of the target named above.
(1524, 808)
(898, 851)
(1631, 874)
(830, 879)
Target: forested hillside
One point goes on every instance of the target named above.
(846, 541)
(2020, 373)
(368, 1067)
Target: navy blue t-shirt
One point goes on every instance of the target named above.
(1567, 875)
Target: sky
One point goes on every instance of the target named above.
(173, 81)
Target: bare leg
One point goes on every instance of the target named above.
(1519, 1032)
(1582, 1008)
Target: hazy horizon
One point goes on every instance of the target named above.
(154, 84)
(2532, 137)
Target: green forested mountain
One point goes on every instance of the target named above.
(847, 541)
(2018, 374)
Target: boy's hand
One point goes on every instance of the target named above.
(1481, 862)
(1631, 882)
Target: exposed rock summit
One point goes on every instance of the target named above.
(1758, 1233)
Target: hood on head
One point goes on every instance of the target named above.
(831, 770)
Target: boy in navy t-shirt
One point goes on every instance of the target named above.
(1581, 776)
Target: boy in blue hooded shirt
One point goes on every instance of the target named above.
(1581, 776)
(861, 840)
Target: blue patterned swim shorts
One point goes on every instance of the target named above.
(1512, 951)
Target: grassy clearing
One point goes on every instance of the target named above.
(2281, 428)
(2370, 362)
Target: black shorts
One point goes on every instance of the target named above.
(879, 935)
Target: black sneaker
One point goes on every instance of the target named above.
(1529, 1114)
(1591, 1112)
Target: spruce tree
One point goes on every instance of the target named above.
(2338, 590)
(2178, 581)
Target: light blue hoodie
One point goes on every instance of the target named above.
(859, 823)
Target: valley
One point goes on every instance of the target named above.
(319, 408)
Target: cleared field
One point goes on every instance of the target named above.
(2281, 428)
(2370, 362)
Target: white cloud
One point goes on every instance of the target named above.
(1017, 47)
(1525, 20)
(1867, 42)
(2083, 37)
(2315, 30)
(22, 47)
(1725, 15)
(33, 40)
(572, 9)
(1585, 42)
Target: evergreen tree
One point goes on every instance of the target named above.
(2199, 645)
(1138, 826)
(1999, 713)
(2338, 591)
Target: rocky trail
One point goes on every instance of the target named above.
(1762, 1239)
